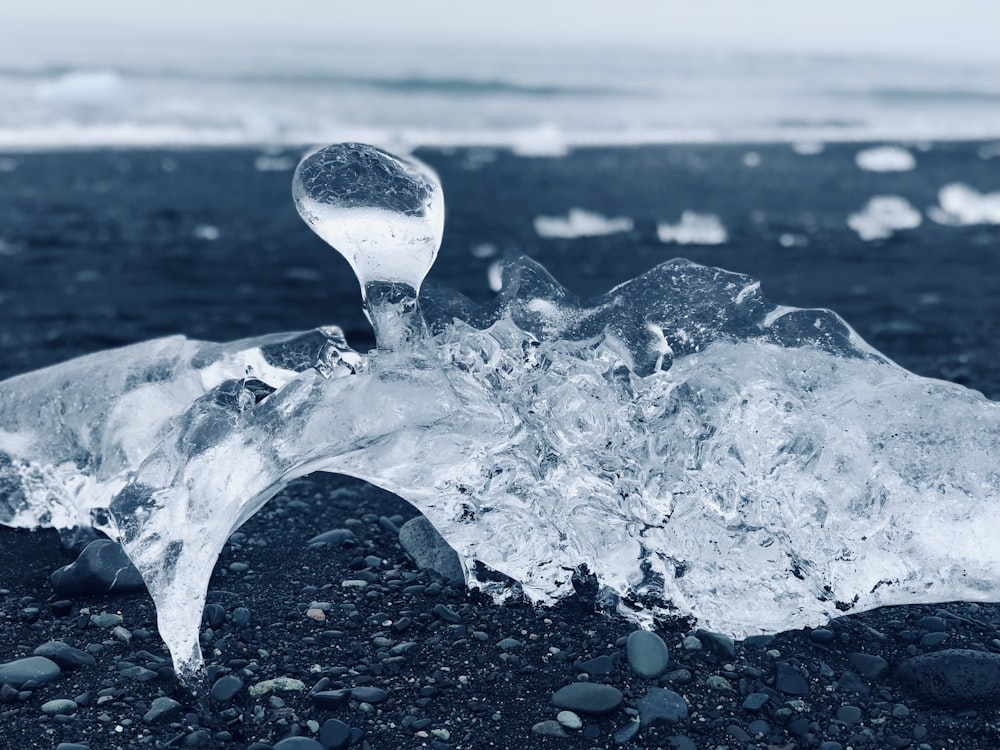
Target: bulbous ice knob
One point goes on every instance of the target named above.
(383, 213)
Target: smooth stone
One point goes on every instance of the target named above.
(661, 706)
(369, 694)
(430, 551)
(933, 639)
(954, 677)
(721, 645)
(447, 614)
(789, 680)
(59, 706)
(599, 665)
(626, 733)
(569, 720)
(102, 568)
(849, 682)
(588, 698)
(298, 743)
(549, 728)
(106, 620)
(647, 654)
(680, 742)
(31, 669)
(334, 537)
(72, 746)
(869, 665)
(330, 700)
(65, 655)
(849, 714)
(756, 701)
(226, 688)
(162, 709)
(335, 735)
(278, 684)
(510, 644)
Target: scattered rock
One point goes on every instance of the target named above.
(106, 620)
(954, 677)
(647, 654)
(102, 568)
(331, 700)
(430, 551)
(569, 720)
(756, 701)
(447, 614)
(277, 685)
(65, 655)
(549, 728)
(298, 743)
(371, 695)
(335, 735)
(59, 706)
(30, 669)
(627, 733)
(721, 645)
(162, 709)
(335, 538)
(599, 665)
(588, 698)
(789, 680)
(661, 706)
(226, 688)
(870, 666)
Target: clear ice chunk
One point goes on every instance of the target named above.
(699, 450)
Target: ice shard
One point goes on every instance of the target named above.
(700, 450)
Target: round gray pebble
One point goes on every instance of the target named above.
(30, 669)
(588, 698)
(647, 654)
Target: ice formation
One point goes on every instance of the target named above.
(694, 229)
(580, 223)
(700, 451)
(961, 205)
(883, 216)
(885, 159)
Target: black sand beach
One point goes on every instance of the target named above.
(107, 248)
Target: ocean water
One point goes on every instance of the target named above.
(535, 100)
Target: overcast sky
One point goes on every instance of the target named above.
(952, 29)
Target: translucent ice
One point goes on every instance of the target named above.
(701, 451)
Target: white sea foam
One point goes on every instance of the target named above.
(885, 159)
(961, 205)
(882, 216)
(580, 223)
(694, 229)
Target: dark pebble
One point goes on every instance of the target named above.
(298, 743)
(330, 700)
(214, 615)
(933, 639)
(369, 694)
(429, 550)
(661, 706)
(849, 682)
(647, 654)
(72, 746)
(870, 666)
(65, 655)
(849, 714)
(755, 701)
(955, 677)
(335, 735)
(510, 644)
(31, 669)
(680, 742)
(627, 732)
(588, 698)
(789, 680)
(447, 614)
(226, 688)
(721, 645)
(101, 568)
(162, 709)
(334, 537)
(599, 665)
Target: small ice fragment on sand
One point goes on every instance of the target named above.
(962, 205)
(986, 151)
(483, 250)
(580, 223)
(751, 159)
(544, 140)
(808, 148)
(270, 163)
(885, 159)
(494, 276)
(207, 232)
(694, 229)
(882, 216)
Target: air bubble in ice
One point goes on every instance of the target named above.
(385, 215)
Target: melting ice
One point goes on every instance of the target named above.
(701, 451)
